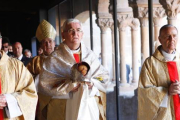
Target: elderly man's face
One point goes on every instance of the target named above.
(169, 38)
(17, 49)
(48, 46)
(73, 35)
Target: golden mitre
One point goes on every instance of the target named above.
(45, 30)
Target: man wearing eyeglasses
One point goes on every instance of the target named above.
(73, 79)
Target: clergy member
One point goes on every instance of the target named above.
(45, 34)
(74, 92)
(159, 86)
(18, 97)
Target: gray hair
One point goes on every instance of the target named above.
(27, 50)
(72, 20)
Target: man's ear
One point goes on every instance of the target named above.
(62, 34)
(159, 39)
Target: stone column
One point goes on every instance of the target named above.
(144, 38)
(103, 46)
(135, 52)
(104, 25)
(172, 8)
(122, 53)
(113, 52)
(143, 16)
(158, 14)
(124, 21)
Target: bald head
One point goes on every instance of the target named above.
(17, 49)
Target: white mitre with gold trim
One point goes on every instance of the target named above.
(45, 30)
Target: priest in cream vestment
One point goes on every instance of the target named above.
(61, 81)
(159, 86)
(18, 97)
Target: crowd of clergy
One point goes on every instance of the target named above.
(64, 82)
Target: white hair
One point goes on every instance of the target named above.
(72, 20)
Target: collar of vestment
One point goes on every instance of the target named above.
(167, 56)
(164, 57)
(76, 51)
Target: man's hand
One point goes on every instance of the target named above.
(75, 89)
(90, 85)
(174, 88)
(3, 102)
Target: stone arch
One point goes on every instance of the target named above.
(84, 16)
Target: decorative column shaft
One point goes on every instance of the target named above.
(135, 50)
(103, 46)
(122, 51)
(144, 38)
(113, 52)
(104, 24)
(157, 26)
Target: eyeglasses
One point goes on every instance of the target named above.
(73, 31)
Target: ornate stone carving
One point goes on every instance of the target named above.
(142, 12)
(122, 17)
(105, 23)
(123, 20)
(172, 7)
(134, 24)
(159, 12)
(131, 22)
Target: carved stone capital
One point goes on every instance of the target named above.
(172, 7)
(134, 24)
(123, 20)
(105, 22)
(142, 12)
(131, 22)
(122, 17)
(158, 12)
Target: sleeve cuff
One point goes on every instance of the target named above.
(12, 109)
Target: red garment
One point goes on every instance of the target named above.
(173, 74)
(77, 57)
(1, 110)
